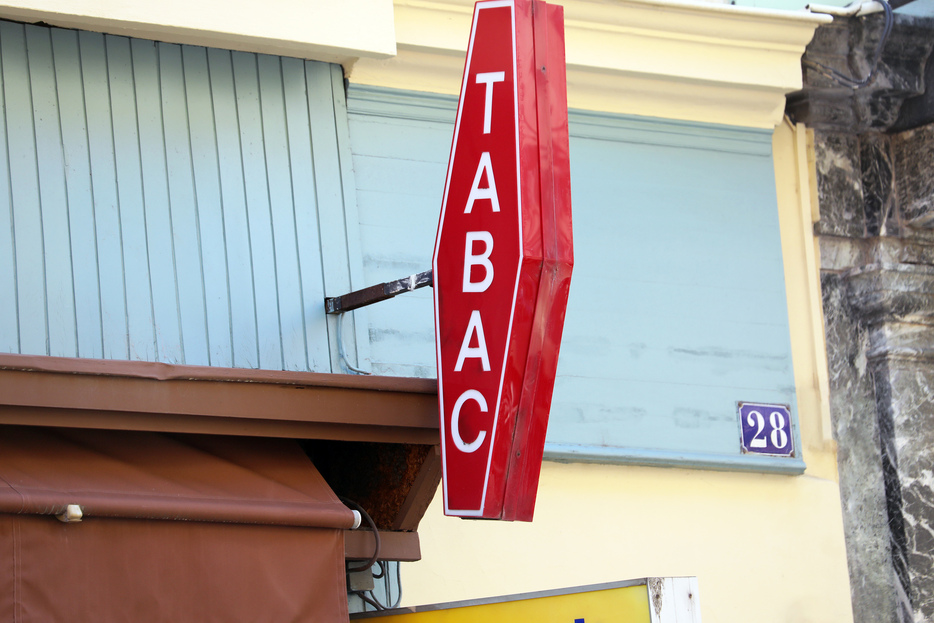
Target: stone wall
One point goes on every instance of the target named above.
(875, 177)
(877, 253)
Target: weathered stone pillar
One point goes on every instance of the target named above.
(876, 232)
(879, 317)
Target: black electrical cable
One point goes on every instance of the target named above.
(370, 600)
(398, 600)
(372, 559)
(368, 596)
(849, 81)
(382, 570)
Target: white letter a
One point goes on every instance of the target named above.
(483, 193)
(474, 326)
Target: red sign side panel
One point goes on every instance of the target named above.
(476, 263)
(551, 304)
(530, 270)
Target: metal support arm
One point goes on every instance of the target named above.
(377, 293)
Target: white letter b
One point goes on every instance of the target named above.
(481, 259)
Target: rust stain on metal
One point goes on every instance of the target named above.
(380, 477)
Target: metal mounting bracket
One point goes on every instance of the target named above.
(377, 293)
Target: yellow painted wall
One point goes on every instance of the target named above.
(765, 548)
(797, 208)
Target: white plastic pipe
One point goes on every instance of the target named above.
(852, 10)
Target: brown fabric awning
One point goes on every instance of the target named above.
(398, 414)
(175, 527)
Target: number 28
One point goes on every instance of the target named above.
(777, 436)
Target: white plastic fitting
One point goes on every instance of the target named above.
(72, 514)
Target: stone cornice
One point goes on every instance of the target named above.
(692, 61)
(848, 46)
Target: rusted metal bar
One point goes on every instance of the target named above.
(377, 293)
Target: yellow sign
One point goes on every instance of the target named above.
(619, 604)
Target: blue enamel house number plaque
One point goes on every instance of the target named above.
(766, 429)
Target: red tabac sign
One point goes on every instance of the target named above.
(502, 260)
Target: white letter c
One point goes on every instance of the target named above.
(467, 448)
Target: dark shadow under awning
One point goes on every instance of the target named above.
(175, 527)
